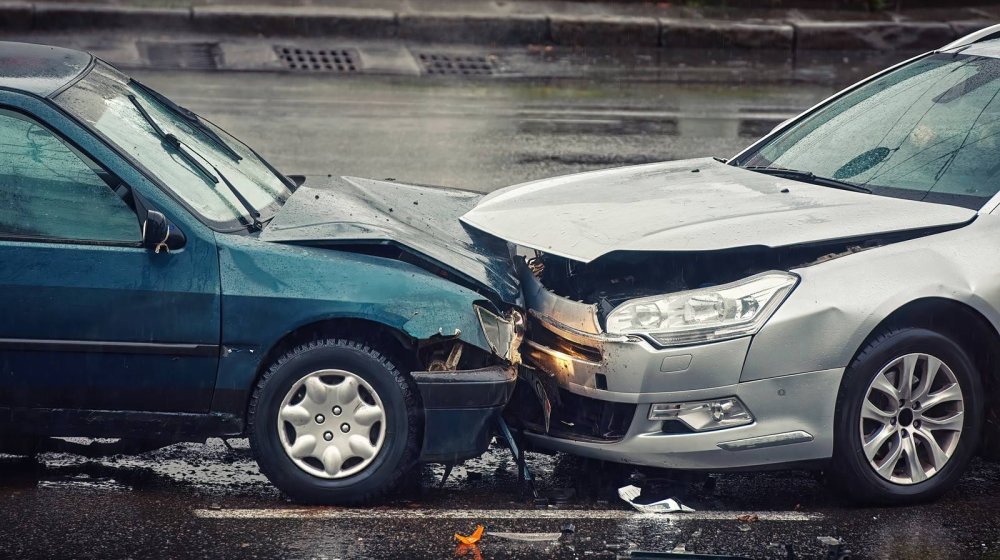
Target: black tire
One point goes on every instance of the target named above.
(851, 469)
(402, 431)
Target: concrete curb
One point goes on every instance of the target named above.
(871, 35)
(513, 29)
(309, 22)
(16, 16)
(601, 30)
(491, 28)
(702, 33)
(58, 17)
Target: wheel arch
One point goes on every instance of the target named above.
(972, 331)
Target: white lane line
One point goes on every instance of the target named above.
(473, 514)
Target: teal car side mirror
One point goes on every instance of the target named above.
(159, 234)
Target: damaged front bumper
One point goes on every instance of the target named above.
(460, 409)
(614, 397)
(462, 406)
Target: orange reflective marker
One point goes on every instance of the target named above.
(471, 539)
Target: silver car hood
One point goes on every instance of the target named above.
(691, 205)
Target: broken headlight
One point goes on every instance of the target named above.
(703, 315)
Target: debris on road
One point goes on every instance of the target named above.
(836, 549)
(746, 520)
(631, 493)
(527, 537)
(473, 538)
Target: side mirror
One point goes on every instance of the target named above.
(159, 234)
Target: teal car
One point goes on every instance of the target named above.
(161, 282)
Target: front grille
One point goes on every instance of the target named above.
(338, 61)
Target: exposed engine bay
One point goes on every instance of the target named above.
(620, 276)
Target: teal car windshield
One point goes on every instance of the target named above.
(929, 131)
(106, 100)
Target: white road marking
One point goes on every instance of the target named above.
(473, 514)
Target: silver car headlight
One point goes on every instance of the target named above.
(703, 315)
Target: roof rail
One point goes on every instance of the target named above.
(990, 32)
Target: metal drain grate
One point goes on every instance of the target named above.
(193, 56)
(457, 65)
(341, 61)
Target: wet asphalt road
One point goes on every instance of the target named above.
(209, 501)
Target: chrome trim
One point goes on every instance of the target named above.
(576, 335)
(761, 442)
(972, 38)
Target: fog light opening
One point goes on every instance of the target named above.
(703, 416)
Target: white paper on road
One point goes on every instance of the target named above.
(526, 537)
(630, 493)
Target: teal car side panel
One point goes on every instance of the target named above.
(272, 289)
(99, 294)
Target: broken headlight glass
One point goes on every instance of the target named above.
(707, 314)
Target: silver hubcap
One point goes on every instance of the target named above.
(331, 423)
(911, 418)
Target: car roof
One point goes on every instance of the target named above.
(40, 69)
(989, 48)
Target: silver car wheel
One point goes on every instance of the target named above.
(911, 418)
(331, 423)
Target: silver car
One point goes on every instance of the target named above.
(829, 297)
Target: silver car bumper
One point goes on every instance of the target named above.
(792, 414)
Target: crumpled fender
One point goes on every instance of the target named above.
(272, 289)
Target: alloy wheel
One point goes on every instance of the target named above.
(911, 418)
(331, 423)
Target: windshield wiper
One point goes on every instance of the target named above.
(809, 177)
(190, 117)
(189, 154)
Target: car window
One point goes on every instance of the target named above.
(927, 131)
(50, 190)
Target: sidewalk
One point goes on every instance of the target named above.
(515, 22)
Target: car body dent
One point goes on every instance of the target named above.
(417, 219)
(272, 289)
(691, 205)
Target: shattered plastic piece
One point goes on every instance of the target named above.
(527, 537)
(471, 539)
(836, 549)
(670, 505)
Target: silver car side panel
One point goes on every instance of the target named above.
(839, 303)
(792, 403)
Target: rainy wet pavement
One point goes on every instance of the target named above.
(210, 501)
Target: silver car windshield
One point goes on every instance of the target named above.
(102, 100)
(929, 130)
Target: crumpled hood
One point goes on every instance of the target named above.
(691, 205)
(420, 220)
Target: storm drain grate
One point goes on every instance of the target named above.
(341, 61)
(193, 56)
(457, 65)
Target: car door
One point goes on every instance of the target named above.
(90, 318)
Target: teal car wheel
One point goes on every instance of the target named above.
(334, 422)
